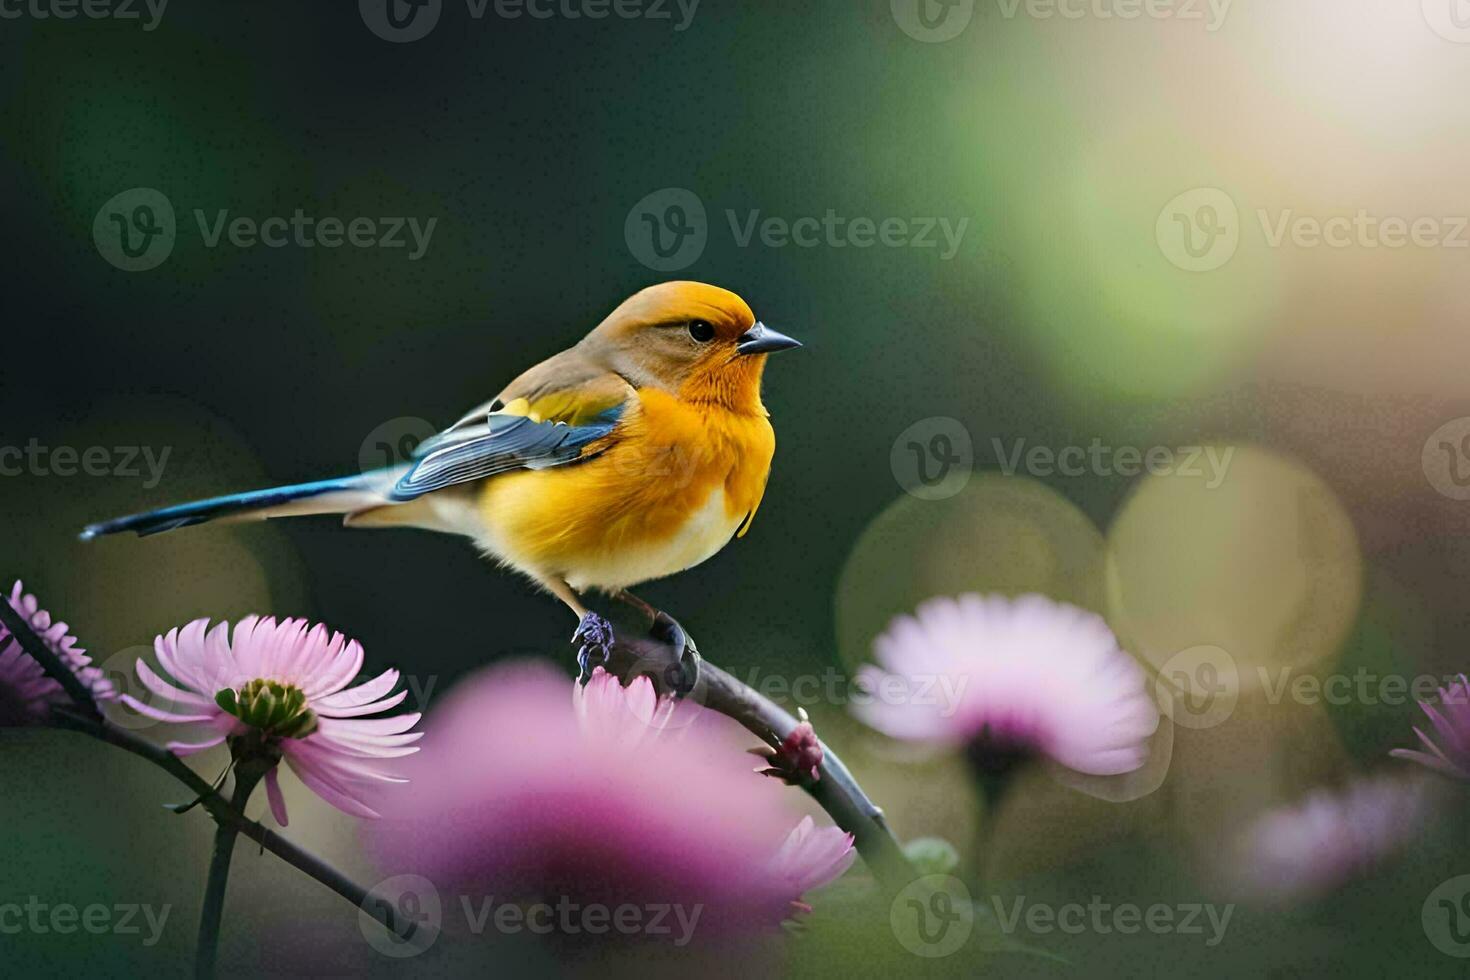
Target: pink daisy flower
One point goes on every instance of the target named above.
(281, 689)
(1330, 837)
(1011, 678)
(1451, 720)
(26, 692)
(525, 793)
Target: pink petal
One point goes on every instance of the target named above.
(168, 716)
(164, 689)
(318, 782)
(362, 694)
(192, 748)
(337, 675)
(273, 795)
(350, 711)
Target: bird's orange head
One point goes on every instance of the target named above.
(695, 340)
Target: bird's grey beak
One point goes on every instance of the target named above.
(761, 339)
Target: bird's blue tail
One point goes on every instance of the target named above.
(337, 496)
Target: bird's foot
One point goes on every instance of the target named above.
(595, 639)
(684, 677)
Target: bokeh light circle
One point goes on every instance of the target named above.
(1010, 535)
(1265, 565)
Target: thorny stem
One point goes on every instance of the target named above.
(836, 791)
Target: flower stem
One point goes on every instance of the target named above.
(207, 950)
(84, 717)
(222, 810)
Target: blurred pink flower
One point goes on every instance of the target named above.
(1451, 720)
(283, 687)
(1011, 677)
(1329, 838)
(26, 692)
(528, 791)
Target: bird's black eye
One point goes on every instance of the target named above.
(701, 331)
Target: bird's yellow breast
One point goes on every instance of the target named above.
(673, 483)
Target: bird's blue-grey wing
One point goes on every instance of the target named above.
(498, 445)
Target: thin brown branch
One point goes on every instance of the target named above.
(835, 789)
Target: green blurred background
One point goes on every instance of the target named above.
(1061, 318)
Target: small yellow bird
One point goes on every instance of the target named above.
(637, 453)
